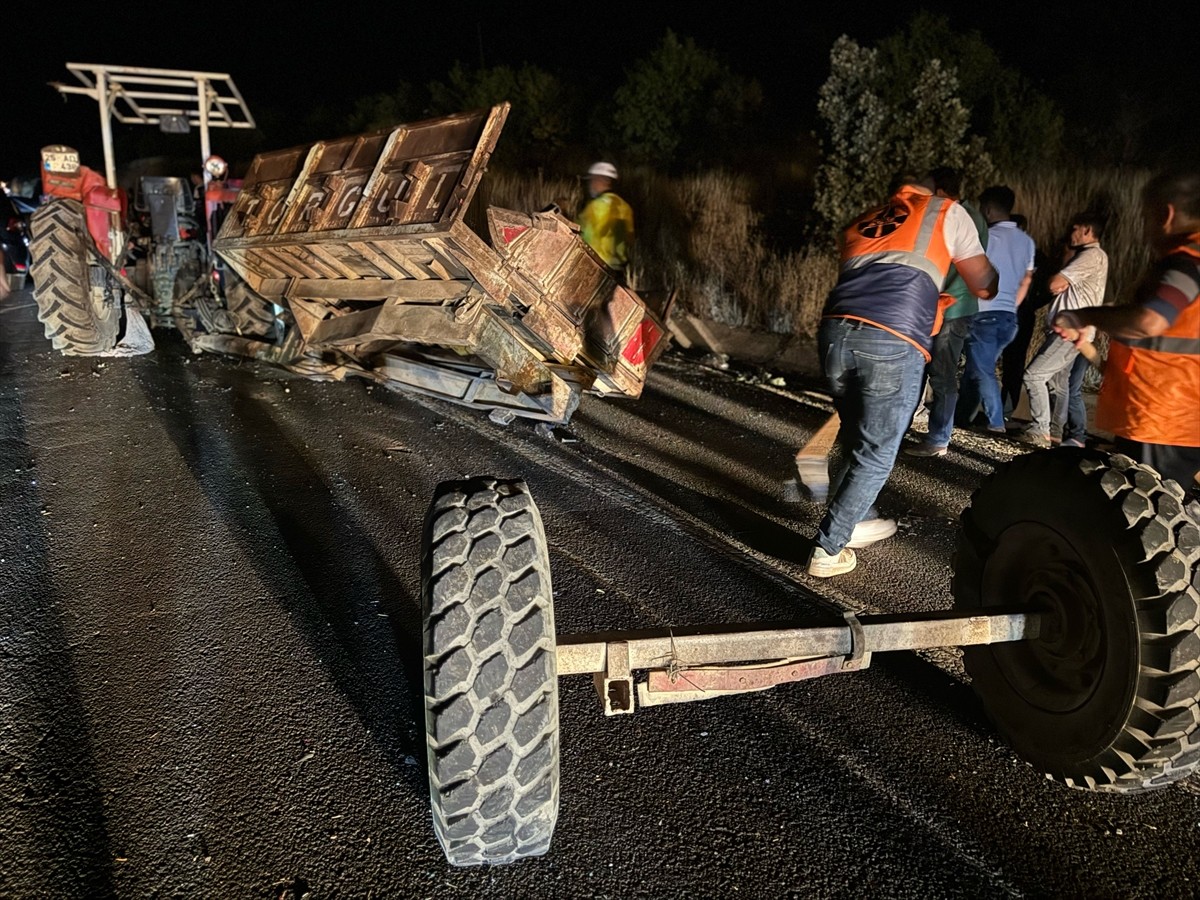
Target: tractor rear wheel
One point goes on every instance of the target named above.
(79, 319)
(1107, 698)
(251, 314)
(491, 685)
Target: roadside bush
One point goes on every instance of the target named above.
(702, 236)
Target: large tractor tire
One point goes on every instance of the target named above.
(1108, 697)
(251, 314)
(79, 320)
(491, 685)
(241, 311)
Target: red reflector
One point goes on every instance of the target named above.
(642, 344)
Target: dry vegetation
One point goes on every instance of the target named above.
(702, 236)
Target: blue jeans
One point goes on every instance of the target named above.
(991, 332)
(1070, 412)
(875, 379)
(943, 378)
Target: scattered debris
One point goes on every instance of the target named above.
(502, 416)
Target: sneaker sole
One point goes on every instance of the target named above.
(830, 572)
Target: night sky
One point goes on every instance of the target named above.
(288, 57)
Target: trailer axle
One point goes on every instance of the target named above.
(694, 664)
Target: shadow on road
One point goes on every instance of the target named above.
(54, 825)
(328, 573)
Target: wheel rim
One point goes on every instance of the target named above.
(1033, 567)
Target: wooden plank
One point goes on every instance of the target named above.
(812, 459)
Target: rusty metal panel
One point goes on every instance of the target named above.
(412, 178)
(545, 249)
(583, 310)
(260, 204)
(336, 229)
(622, 339)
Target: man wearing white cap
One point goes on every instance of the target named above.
(606, 221)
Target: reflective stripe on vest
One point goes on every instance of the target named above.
(1151, 387)
(908, 232)
(1163, 344)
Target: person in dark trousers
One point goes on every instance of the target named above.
(1011, 252)
(875, 337)
(1015, 355)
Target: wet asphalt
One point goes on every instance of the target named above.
(210, 675)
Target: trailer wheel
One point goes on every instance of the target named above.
(79, 321)
(491, 685)
(1108, 697)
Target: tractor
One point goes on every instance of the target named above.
(107, 269)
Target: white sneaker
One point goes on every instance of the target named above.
(869, 531)
(822, 565)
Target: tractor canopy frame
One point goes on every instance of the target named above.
(175, 100)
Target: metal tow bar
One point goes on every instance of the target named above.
(690, 664)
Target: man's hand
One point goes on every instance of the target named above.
(1068, 326)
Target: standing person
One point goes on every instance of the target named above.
(1150, 395)
(1015, 355)
(1078, 284)
(875, 336)
(606, 220)
(1010, 251)
(948, 343)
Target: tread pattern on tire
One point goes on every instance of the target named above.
(490, 678)
(250, 313)
(60, 247)
(1159, 550)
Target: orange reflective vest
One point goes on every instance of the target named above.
(1151, 387)
(894, 262)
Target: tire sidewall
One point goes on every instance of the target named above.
(1043, 491)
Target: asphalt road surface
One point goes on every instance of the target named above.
(210, 678)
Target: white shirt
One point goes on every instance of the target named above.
(1086, 275)
(962, 237)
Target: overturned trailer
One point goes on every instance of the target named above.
(362, 245)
